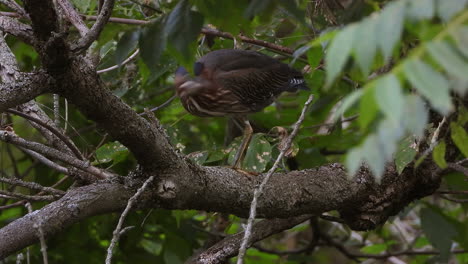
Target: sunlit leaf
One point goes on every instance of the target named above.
(114, 151)
(367, 108)
(199, 157)
(405, 153)
(258, 154)
(430, 83)
(460, 138)
(438, 154)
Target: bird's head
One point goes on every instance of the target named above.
(185, 85)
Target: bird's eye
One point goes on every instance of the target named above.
(198, 68)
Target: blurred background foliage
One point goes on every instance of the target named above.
(381, 73)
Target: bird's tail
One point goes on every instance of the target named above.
(297, 83)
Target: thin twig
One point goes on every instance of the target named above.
(10, 137)
(258, 191)
(127, 60)
(53, 130)
(160, 106)
(118, 229)
(97, 27)
(45, 161)
(46, 198)
(31, 185)
(15, 7)
(458, 167)
(40, 232)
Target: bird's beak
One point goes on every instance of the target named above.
(188, 87)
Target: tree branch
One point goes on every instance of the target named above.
(73, 16)
(77, 204)
(96, 29)
(17, 29)
(229, 246)
(10, 137)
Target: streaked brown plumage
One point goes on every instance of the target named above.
(235, 82)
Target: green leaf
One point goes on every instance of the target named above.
(126, 44)
(438, 230)
(374, 249)
(389, 34)
(152, 43)
(114, 151)
(459, 86)
(421, 9)
(390, 98)
(460, 35)
(367, 108)
(460, 138)
(405, 153)
(292, 8)
(348, 102)
(216, 12)
(365, 45)
(258, 154)
(338, 53)
(314, 56)
(199, 157)
(82, 5)
(429, 83)
(257, 6)
(438, 154)
(446, 56)
(447, 8)
(415, 115)
(354, 160)
(152, 247)
(183, 26)
(373, 157)
(388, 134)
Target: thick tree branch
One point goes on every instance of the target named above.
(73, 16)
(77, 204)
(27, 87)
(17, 29)
(362, 203)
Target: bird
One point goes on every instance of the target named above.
(235, 82)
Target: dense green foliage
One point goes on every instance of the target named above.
(380, 71)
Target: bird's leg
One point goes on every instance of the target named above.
(248, 131)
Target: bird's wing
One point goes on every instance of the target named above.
(256, 87)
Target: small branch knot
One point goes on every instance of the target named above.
(167, 189)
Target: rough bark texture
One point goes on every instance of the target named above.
(362, 203)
